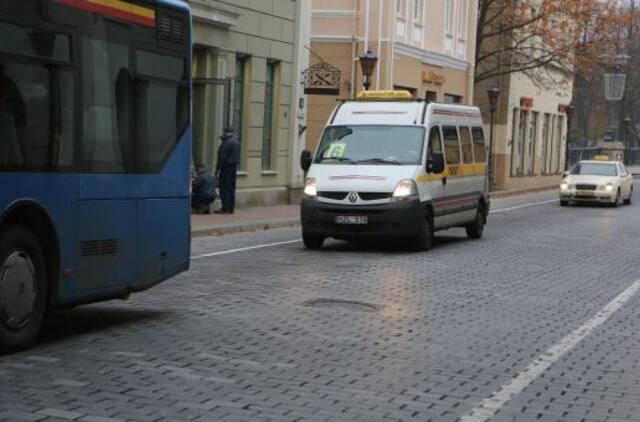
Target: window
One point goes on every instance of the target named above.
(462, 27)
(559, 143)
(544, 150)
(238, 96)
(479, 149)
(431, 96)
(451, 144)
(452, 99)
(36, 117)
(518, 142)
(448, 26)
(467, 145)
(34, 42)
(531, 143)
(400, 6)
(131, 121)
(418, 6)
(269, 117)
(372, 145)
(435, 142)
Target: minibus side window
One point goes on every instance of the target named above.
(479, 145)
(467, 146)
(451, 144)
(435, 143)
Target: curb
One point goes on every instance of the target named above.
(517, 192)
(244, 228)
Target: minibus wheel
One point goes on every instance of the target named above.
(476, 228)
(424, 240)
(312, 242)
(23, 288)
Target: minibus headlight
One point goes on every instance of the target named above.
(310, 188)
(405, 189)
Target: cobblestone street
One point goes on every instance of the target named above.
(262, 329)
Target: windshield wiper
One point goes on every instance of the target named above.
(381, 160)
(340, 159)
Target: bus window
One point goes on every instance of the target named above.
(479, 145)
(451, 144)
(36, 117)
(435, 143)
(467, 146)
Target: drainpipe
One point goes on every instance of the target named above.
(379, 52)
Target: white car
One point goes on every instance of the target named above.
(597, 181)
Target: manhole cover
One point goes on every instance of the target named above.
(352, 305)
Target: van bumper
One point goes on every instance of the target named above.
(396, 219)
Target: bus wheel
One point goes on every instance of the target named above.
(23, 288)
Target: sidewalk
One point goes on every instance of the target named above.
(245, 220)
(273, 217)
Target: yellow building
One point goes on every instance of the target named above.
(428, 51)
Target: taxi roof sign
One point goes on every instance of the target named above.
(384, 95)
(601, 157)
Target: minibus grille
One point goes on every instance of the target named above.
(374, 196)
(336, 196)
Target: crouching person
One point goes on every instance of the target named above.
(203, 190)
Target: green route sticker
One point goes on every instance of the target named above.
(336, 150)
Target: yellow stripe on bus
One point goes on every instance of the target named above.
(126, 7)
(458, 170)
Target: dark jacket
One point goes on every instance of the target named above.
(205, 184)
(228, 153)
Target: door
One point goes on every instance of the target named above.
(460, 199)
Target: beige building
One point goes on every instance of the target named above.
(248, 56)
(424, 46)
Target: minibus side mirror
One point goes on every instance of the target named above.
(306, 160)
(435, 165)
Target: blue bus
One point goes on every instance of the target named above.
(95, 151)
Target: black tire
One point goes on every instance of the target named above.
(564, 203)
(424, 239)
(476, 229)
(313, 242)
(628, 200)
(23, 300)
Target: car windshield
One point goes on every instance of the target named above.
(595, 169)
(377, 145)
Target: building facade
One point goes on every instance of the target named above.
(424, 46)
(530, 131)
(247, 60)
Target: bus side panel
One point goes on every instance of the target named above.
(163, 239)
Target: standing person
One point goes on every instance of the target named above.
(227, 168)
(203, 190)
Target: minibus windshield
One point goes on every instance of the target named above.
(371, 145)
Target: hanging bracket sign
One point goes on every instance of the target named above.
(322, 79)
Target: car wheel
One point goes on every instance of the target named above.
(564, 203)
(628, 200)
(476, 229)
(424, 240)
(23, 288)
(313, 242)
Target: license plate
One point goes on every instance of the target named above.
(351, 219)
(586, 193)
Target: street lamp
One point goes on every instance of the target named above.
(568, 111)
(615, 80)
(368, 63)
(493, 93)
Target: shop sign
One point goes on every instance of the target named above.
(431, 77)
(322, 79)
(526, 102)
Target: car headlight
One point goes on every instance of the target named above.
(405, 189)
(310, 187)
(609, 187)
(564, 186)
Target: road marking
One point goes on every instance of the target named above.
(507, 391)
(288, 242)
(248, 248)
(517, 207)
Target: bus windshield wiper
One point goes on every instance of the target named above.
(381, 160)
(340, 159)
